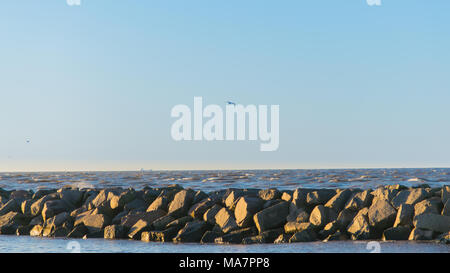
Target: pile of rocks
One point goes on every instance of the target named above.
(232, 216)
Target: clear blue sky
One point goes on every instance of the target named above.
(92, 86)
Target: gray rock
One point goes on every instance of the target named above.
(282, 239)
(36, 230)
(115, 232)
(210, 214)
(420, 234)
(266, 237)
(225, 219)
(397, 233)
(232, 197)
(25, 207)
(70, 196)
(338, 201)
(384, 193)
(180, 222)
(37, 206)
(137, 229)
(272, 217)
(410, 197)
(345, 217)
(210, 237)
(119, 201)
(94, 223)
(246, 207)
(166, 235)
(359, 228)
(269, 194)
(54, 207)
(319, 197)
(286, 197)
(135, 204)
(337, 236)
(192, 232)
(434, 222)
(235, 237)
(78, 231)
(293, 227)
(445, 194)
(10, 206)
(11, 221)
(181, 203)
(404, 216)
(303, 236)
(428, 206)
(199, 209)
(299, 197)
(381, 215)
(162, 222)
(320, 216)
(160, 203)
(329, 229)
(360, 200)
(446, 209)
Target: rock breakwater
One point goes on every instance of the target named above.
(230, 216)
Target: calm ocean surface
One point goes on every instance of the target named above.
(215, 180)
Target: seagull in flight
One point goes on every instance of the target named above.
(231, 103)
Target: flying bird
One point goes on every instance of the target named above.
(231, 103)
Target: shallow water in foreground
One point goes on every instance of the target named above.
(26, 244)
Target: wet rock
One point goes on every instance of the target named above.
(409, 197)
(210, 214)
(272, 217)
(192, 232)
(78, 231)
(404, 216)
(210, 237)
(36, 220)
(225, 219)
(428, 206)
(36, 230)
(337, 236)
(235, 237)
(359, 228)
(329, 229)
(199, 209)
(418, 234)
(10, 206)
(397, 233)
(269, 194)
(320, 216)
(360, 200)
(319, 197)
(246, 207)
(23, 230)
(381, 215)
(181, 203)
(94, 223)
(303, 236)
(338, 201)
(115, 232)
(434, 222)
(137, 229)
(266, 237)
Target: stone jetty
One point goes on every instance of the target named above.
(230, 216)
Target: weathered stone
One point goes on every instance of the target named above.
(337, 236)
(180, 222)
(119, 201)
(78, 231)
(428, 206)
(306, 235)
(36, 230)
(320, 216)
(166, 235)
(409, 197)
(210, 237)
(115, 232)
(181, 203)
(286, 197)
(59, 219)
(23, 230)
(397, 233)
(444, 238)
(37, 206)
(210, 214)
(405, 216)
(94, 223)
(135, 204)
(282, 239)
(10, 206)
(269, 194)
(293, 227)
(11, 221)
(299, 197)
(297, 214)
(329, 229)
(345, 217)
(162, 222)
(381, 215)
(266, 237)
(225, 219)
(54, 207)
(70, 196)
(359, 228)
(445, 194)
(20, 195)
(235, 237)
(137, 229)
(360, 200)
(246, 207)
(421, 234)
(160, 203)
(200, 196)
(192, 232)
(446, 209)
(272, 217)
(319, 197)
(25, 207)
(338, 201)
(231, 199)
(199, 209)
(41, 193)
(384, 193)
(434, 222)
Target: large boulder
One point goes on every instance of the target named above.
(225, 219)
(445, 194)
(446, 209)
(166, 235)
(269, 194)
(210, 214)
(54, 207)
(359, 228)
(432, 205)
(160, 203)
(119, 201)
(293, 227)
(10, 206)
(210, 237)
(404, 216)
(137, 229)
(421, 234)
(246, 207)
(199, 209)
(384, 193)
(381, 215)
(73, 197)
(320, 216)
(94, 223)
(272, 217)
(319, 197)
(360, 200)
(306, 235)
(434, 222)
(235, 237)
(192, 232)
(345, 217)
(115, 232)
(338, 201)
(397, 233)
(410, 197)
(181, 203)
(11, 221)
